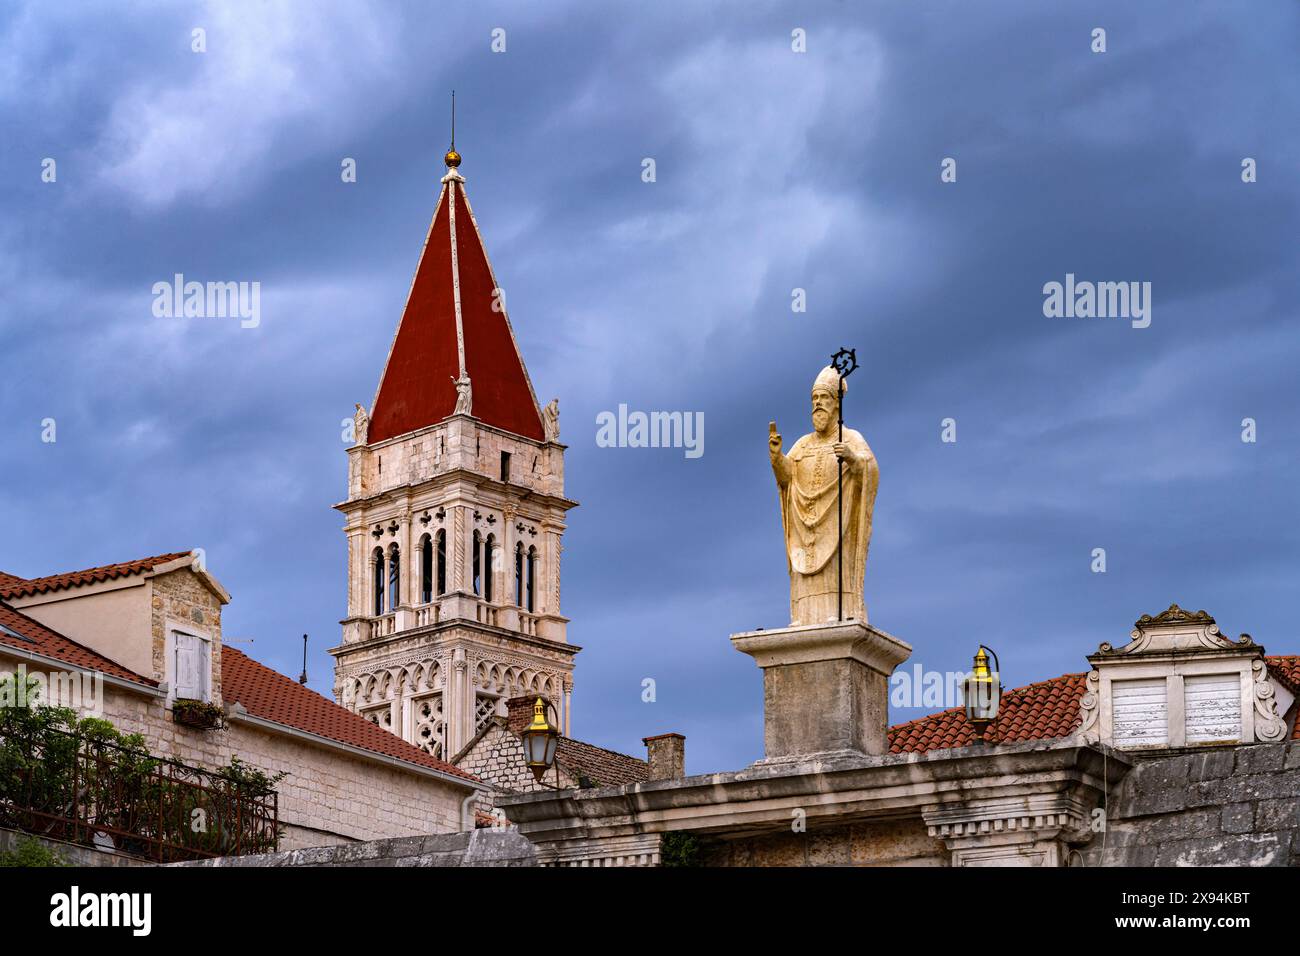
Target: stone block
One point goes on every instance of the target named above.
(1281, 814)
(1260, 758)
(1293, 756)
(1238, 818)
(1212, 765)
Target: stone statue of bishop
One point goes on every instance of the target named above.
(807, 482)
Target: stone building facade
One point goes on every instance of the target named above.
(345, 780)
(455, 512)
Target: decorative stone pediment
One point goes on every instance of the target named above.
(1174, 631)
(1180, 683)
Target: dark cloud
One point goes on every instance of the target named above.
(775, 171)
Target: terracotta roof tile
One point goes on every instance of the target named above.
(272, 696)
(26, 587)
(606, 768)
(1285, 669)
(1041, 711)
(17, 630)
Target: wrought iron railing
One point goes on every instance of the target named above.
(80, 790)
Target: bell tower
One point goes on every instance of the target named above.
(455, 511)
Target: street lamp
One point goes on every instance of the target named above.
(540, 739)
(983, 691)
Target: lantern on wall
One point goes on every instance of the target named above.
(540, 739)
(982, 690)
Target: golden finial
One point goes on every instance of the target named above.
(452, 159)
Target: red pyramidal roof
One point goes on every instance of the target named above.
(453, 325)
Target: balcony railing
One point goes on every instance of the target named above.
(71, 788)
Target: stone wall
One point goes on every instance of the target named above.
(70, 853)
(485, 847)
(1226, 806)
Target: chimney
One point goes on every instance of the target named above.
(519, 712)
(666, 755)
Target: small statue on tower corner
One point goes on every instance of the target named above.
(464, 395)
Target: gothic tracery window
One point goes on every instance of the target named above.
(484, 707)
(429, 724)
(489, 559)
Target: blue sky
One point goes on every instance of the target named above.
(775, 170)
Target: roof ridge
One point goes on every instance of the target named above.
(104, 572)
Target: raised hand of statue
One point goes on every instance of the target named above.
(773, 440)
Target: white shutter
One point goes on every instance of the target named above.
(1213, 708)
(189, 663)
(1139, 712)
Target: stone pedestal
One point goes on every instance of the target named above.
(825, 687)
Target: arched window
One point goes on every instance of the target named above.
(442, 561)
(519, 575)
(394, 578)
(478, 563)
(426, 569)
(377, 573)
(489, 560)
(532, 576)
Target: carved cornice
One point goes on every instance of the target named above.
(1035, 815)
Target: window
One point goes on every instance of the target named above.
(489, 558)
(478, 563)
(192, 666)
(1212, 705)
(532, 577)
(519, 575)
(429, 725)
(377, 567)
(394, 578)
(485, 705)
(426, 569)
(442, 561)
(505, 467)
(1141, 712)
